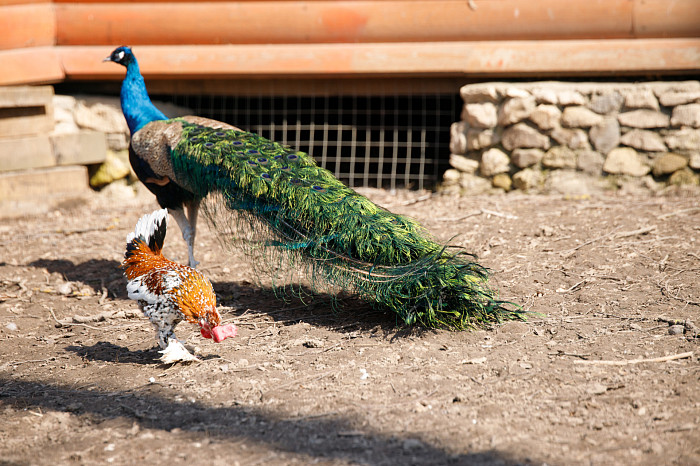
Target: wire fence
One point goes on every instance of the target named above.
(384, 141)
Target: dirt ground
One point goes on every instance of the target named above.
(80, 382)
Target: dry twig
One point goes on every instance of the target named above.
(626, 362)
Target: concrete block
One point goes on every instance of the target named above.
(23, 153)
(43, 183)
(82, 148)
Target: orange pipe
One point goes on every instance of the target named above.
(31, 25)
(662, 18)
(324, 21)
(504, 58)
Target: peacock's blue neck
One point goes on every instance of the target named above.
(136, 105)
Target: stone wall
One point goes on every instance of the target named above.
(573, 138)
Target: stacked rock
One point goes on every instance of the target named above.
(565, 137)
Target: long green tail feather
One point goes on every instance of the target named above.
(339, 236)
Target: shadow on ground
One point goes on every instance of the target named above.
(286, 305)
(321, 438)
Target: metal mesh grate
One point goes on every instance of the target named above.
(368, 141)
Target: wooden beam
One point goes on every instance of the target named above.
(468, 59)
(31, 25)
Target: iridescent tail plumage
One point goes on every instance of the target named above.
(340, 237)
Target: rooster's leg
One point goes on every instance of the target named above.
(188, 230)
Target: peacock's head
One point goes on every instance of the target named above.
(122, 55)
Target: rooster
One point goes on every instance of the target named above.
(168, 292)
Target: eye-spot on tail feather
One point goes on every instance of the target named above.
(150, 229)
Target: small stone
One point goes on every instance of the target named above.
(479, 93)
(523, 158)
(521, 135)
(480, 115)
(458, 137)
(568, 182)
(589, 161)
(671, 99)
(656, 448)
(410, 444)
(686, 115)
(515, 92)
(570, 97)
(606, 103)
(644, 140)
(676, 86)
(463, 164)
(694, 161)
(100, 117)
(559, 157)
(451, 176)
(478, 139)
(516, 109)
(64, 289)
(113, 168)
(641, 99)
(643, 119)
(494, 161)
(596, 389)
(527, 179)
(571, 138)
(546, 116)
(11, 326)
(605, 136)
(625, 161)
(683, 139)
(472, 185)
(676, 330)
(668, 163)
(580, 117)
(503, 181)
(117, 141)
(450, 189)
(684, 177)
(545, 96)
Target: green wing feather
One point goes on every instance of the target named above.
(339, 235)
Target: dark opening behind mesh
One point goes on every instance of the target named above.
(399, 141)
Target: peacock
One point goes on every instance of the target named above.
(295, 212)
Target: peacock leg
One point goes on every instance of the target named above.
(192, 214)
(188, 232)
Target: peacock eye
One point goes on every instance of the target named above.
(295, 181)
(209, 144)
(253, 151)
(195, 139)
(237, 143)
(319, 189)
(262, 160)
(277, 157)
(266, 176)
(218, 133)
(292, 157)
